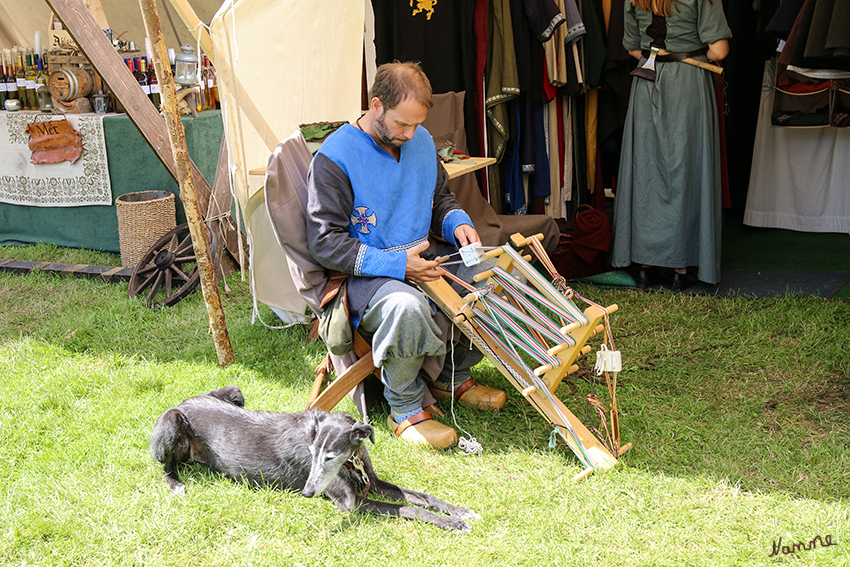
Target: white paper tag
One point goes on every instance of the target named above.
(471, 254)
(608, 361)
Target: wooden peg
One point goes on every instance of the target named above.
(582, 475)
(567, 329)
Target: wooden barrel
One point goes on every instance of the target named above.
(69, 83)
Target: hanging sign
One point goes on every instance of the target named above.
(54, 142)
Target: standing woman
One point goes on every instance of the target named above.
(667, 210)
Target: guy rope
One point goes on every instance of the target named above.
(532, 332)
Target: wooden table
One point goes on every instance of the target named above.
(468, 166)
(133, 166)
(453, 169)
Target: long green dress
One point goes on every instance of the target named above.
(667, 208)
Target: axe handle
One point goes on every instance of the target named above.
(696, 63)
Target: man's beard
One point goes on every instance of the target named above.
(384, 133)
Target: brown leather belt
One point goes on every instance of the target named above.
(676, 56)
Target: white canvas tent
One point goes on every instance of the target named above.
(281, 63)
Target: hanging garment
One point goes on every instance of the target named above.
(482, 40)
(534, 22)
(829, 35)
(441, 39)
(502, 86)
(558, 50)
(794, 52)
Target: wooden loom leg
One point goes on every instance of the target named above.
(355, 374)
(338, 389)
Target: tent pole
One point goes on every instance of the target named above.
(185, 179)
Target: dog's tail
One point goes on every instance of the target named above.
(169, 439)
(171, 444)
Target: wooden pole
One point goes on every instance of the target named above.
(186, 182)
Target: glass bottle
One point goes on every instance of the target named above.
(11, 81)
(204, 98)
(3, 72)
(212, 83)
(45, 101)
(153, 81)
(30, 76)
(21, 81)
(142, 76)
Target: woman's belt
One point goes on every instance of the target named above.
(676, 56)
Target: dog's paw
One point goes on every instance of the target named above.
(465, 514)
(177, 488)
(460, 526)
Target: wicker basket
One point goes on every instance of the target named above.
(143, 217)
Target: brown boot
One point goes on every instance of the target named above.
(421, 429)
(474, 395)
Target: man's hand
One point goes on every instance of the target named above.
(466, 234)
(420, 270)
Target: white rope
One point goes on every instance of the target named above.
(469, 445)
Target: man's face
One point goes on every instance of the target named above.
(397, 126)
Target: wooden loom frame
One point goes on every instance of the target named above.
(540, 393)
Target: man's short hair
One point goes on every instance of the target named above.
(397, 81)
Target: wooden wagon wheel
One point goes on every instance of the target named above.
(168, 271)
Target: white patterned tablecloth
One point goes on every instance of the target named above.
(84, 183)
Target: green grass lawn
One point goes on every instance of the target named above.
(738, 409)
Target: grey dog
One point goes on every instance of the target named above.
(312, 451)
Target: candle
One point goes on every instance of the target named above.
(38, 42)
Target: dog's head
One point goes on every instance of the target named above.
(337, 437)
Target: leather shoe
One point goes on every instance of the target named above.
(422, 430)
(644, 278)
(474, 395)
(680, 281)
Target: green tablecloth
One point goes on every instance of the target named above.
(133, 166)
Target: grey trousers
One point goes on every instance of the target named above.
(400, 319)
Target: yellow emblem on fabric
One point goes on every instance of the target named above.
(423, 6)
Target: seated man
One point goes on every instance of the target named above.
(374, 191)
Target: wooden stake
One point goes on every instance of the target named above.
(185, 179)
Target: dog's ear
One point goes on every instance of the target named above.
(314, 424)
(360, 432)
